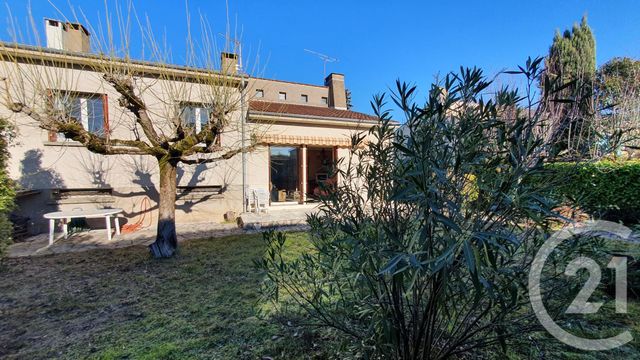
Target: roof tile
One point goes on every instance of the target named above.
(306, 110)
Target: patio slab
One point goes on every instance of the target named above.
(282, 217)
(277, 216)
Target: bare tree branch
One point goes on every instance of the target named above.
(227, 155)
(132, 102)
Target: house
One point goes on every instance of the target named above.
(303, 129)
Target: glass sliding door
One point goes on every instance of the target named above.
(284, 173)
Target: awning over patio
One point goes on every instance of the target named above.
(305, 140)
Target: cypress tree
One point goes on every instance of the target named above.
(572, 58)
(572, 55)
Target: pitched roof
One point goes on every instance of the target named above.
(307, 111)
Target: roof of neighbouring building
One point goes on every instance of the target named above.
(307, 111)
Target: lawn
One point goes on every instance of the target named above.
(202, 303)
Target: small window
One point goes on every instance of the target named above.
(88, 109)
(324, 100)
(259, 93)
(304, 98)
(282, 96)
(195, 116)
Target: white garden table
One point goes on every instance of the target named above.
(66, 216)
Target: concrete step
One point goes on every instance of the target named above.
(275, 218)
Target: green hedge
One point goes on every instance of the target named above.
(605, 189)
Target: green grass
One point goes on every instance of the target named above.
(203, 303)
(603, 324)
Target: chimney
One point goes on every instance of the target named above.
(67, 36)
(337, 94)
(229, 63)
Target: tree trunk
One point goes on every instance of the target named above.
(166, 242)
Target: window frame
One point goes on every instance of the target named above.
(84, 112)
(260, 93)
(304, 98)
(282, 95)
(198, 107)
(197, 125)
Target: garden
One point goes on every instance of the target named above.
(423, 250)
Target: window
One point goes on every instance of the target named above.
(282, 96)
(259, 93)
(88, 109)
(304, 98)
(195, 116)
(324, 100)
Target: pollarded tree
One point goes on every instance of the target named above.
(154, 96)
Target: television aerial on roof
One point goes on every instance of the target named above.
(325, 59)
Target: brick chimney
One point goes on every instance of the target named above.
(229, 63)
(337, 94)
(67, 36)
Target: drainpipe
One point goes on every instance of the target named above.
(244, 151)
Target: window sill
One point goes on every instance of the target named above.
(63, 143)
(198, 198)
(98, 199)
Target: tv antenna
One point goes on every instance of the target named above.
(325, 59)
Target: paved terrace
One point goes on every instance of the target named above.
(289, 218)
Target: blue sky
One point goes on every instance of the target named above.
(377, 42)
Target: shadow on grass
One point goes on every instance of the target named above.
(122, 304)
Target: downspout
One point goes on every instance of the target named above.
(244, 150)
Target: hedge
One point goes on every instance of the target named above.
(604, 189)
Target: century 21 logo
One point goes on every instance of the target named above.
(581, 304)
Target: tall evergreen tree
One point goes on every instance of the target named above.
(572, 59)
(572, 55)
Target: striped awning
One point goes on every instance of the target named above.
(305, 140)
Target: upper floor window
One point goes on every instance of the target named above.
(259, 93)
(195, 116)
(90, 110)
(324, 100)
(304, 98)
(282, 96)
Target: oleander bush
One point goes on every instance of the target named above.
(423, 249)
(605, 189)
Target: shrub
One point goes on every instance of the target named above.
(7, 191)
(605, 189)
(420, 250)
